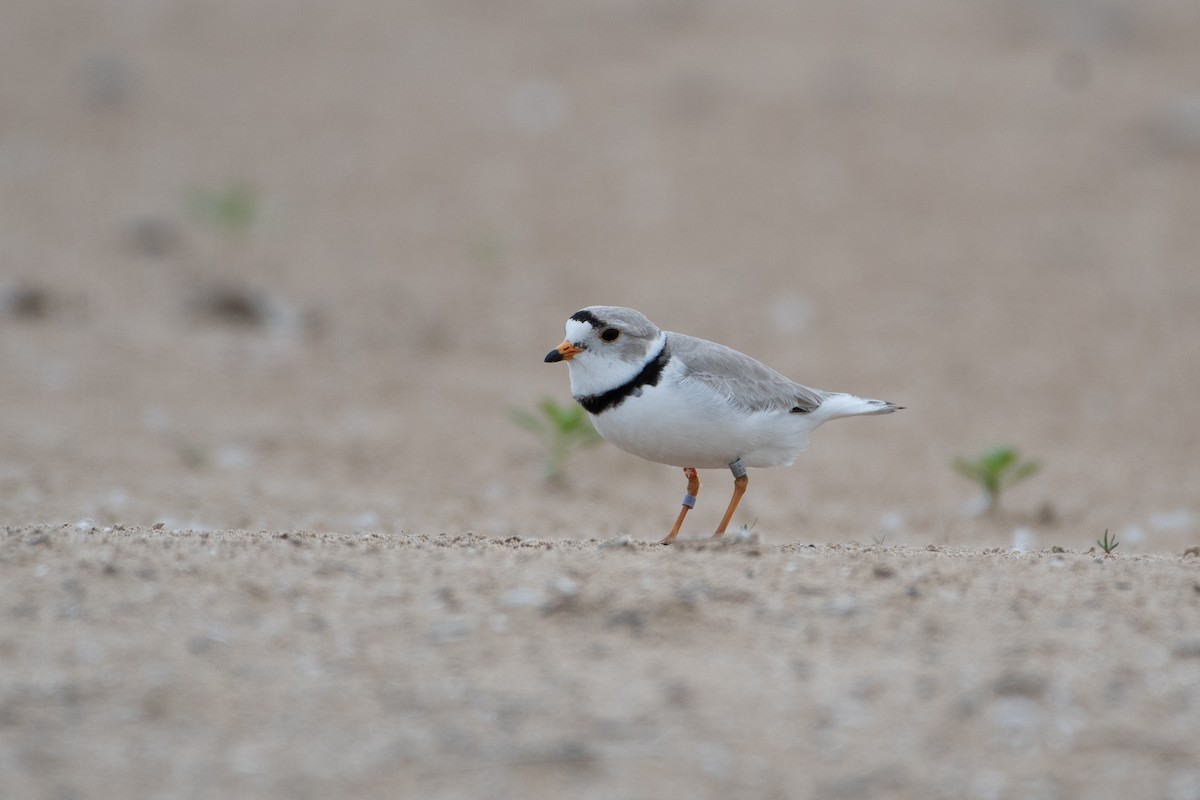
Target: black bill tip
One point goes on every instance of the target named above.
(553, 356)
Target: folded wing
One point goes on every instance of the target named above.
(745, 383)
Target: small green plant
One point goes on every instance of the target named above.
(563, 429)
(994, 471)
(1107, 544)
(879, 539)
(232, 211)
(746, 532)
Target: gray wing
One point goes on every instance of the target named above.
(744, 382)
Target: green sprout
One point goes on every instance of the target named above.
(563, 429)
(232, 210)
(1107, 544)
(996, 470)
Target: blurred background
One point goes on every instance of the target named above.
(292, 265)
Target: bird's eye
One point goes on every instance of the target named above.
(610, 334)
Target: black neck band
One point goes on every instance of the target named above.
(598, 403)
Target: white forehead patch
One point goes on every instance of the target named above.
(577, 331)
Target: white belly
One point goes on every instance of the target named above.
(693, 429)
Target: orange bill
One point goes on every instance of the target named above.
(564, 352)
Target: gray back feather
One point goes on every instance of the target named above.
(744, 382)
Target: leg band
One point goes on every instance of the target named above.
(689, 500)
(738, 468)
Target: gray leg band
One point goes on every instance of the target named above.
(738, 468)
(689, 500)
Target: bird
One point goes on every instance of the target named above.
(688, 402)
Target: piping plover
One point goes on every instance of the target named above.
(691, 403)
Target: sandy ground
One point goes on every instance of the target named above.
(985, 212)
(153, 664)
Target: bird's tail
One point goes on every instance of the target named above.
(847, 405)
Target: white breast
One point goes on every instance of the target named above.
(687, 425)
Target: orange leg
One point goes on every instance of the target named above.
(689, 500)
(740, 480)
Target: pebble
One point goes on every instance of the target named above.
(522, 596)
